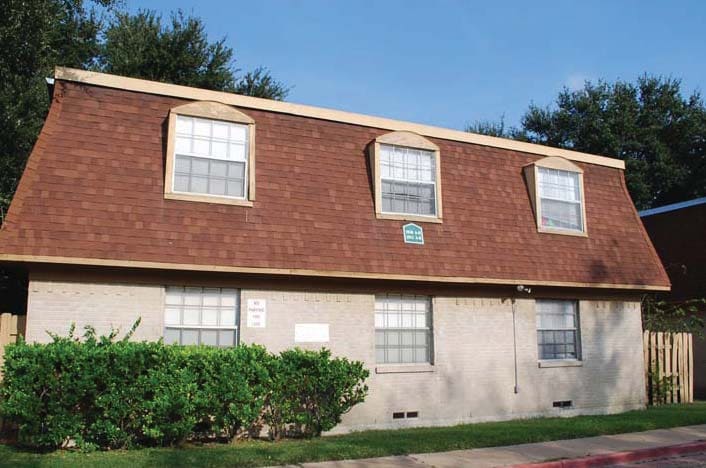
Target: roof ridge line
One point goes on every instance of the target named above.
(186, 92)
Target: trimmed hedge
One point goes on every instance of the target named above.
(101, 393)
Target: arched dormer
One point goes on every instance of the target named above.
(210, 154)
(556, 190)
(406, 177)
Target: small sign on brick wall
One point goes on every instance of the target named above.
(311, 333)
(413, 234)
(257, 313)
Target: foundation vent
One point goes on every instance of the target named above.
(563, 404)
(407, 415)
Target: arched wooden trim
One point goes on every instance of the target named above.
(531, 173)
(213, 110)
(409, 140)
(557, 162)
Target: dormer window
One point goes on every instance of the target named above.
(210, 156)
(407, 177)
(556, 189)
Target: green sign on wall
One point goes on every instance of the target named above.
(413, 234)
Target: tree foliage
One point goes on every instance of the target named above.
(106, 392)
(673, 316)
(38, 35)
(650, 124)
(141, 46)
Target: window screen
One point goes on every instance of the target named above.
(408, 180)
(403, 329)
(210, 157)
(560, 199)
(207, 316)
(558, 329)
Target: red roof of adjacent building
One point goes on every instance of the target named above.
(93, 193)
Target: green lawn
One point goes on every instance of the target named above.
(370, 443)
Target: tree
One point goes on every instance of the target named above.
(141, 46)
(36, 36)
(492, 128)
(659, 133)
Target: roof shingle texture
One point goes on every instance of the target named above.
(94, 188)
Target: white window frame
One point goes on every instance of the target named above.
(415, 142)
(172, 291)
(211, 139)
(576, 330)
(211, 111)
(408, 310)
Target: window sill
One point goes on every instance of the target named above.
(563, 232)
(403, 217)
(560, 363)
(207, 199)
(404, 368)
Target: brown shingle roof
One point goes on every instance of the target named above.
(94, 190)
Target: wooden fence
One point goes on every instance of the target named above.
(11, 326)
(669, 367)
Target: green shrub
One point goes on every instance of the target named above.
(311, 391)
(101, 393)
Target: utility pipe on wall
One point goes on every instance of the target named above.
(520, 289)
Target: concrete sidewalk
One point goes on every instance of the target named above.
(531, 453)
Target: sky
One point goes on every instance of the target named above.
(449, 62)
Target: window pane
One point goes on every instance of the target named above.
(217, 187)
(557, 332)
(189, 337)
(220, 130)
(407, 355)
(403, 333)
(218, 169)
(201, 147)
(209, 317)
(236, 170)
(561, 214)
(184, 125)
(227, 317)
(173, 296)
(237, 152)
(226, 338)
(202, 127)
(199, 184)
(191, 316)
(214, 143)
(234, 189)
(209, 337)
(183, 145)
(219, 149)
(560, 198)
(171, 336)
(238, 133)
(408, 198)
(205, 314)
(172, 316)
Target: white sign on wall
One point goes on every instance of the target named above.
(257, 313)
(311, 333)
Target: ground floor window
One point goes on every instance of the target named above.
(207, 316)
(403, 329)
(558, 329)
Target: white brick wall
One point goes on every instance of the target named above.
(55, 305)
(473, 374)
